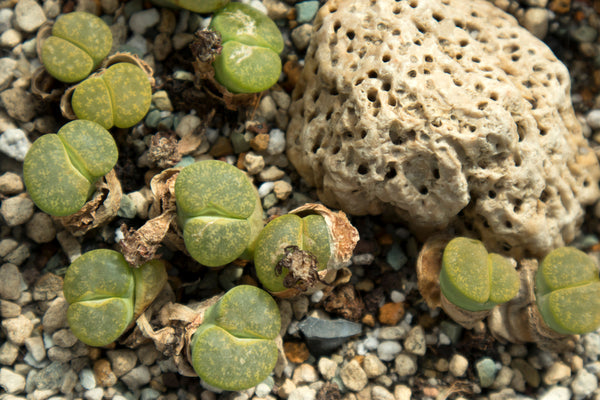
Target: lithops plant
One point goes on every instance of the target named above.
(475, 280)
(60, 169)
(293, 248)
(249, 61)
(79, 42)
(219, 212)
(197, 6)
(106, 295)
(118, 96)
(234, 348)
(568, 291)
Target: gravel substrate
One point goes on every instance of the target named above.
(389, 344)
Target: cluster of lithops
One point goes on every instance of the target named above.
(78, 44)
(249, 61)
(106, 295)
(60, 170)
(234, 348)
(542, 303)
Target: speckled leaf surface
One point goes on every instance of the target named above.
(121, 96)
(86, 31)
(247, 69)
(504, 283)
(219, 211)
(92, 101)
(214, 188)
(105, 294)
(65, 61)
(53, 183)
(573, 310)
(245, 24)
(149, 279)
(59, 169)
(98, 274)
(90, 146)
(465, 275)
(234, 348)
(197, 6)
(130, 93)
(565, 267)
(309, 234)
(100, 322)
(568, 291)
(247, 312)
(78, 44)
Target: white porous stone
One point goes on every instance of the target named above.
(388, 350)
(432, 108)
(14, 143)
(29, 15)
(276, 142)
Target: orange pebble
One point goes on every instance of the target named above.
(296, 352)
(391, 313)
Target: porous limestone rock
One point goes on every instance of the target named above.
(448, 114)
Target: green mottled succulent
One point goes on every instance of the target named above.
(249, 61)
(120, 96)
(197, 6)
(60, 169)
(568, 291)
(106, 295)
(234, 348)
(78, 44)
(219, 212)
(309, 234)
(475, 280)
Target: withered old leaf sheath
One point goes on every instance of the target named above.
(139, 246)
(99, 210)
(205, 47)
(343, 238)
(519, 321)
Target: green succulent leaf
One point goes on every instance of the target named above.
(78, 44)
(309, 233)
(219, 211)
(247, 69)
(234, 348)
(475, 280)
(121, 96)
(568, 291)
(105, 294)
(197, 6)
(249, 61)
(59, 170)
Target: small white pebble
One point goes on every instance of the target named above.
(397, 297)
(265, 188)
(316, 296)
(593, 119)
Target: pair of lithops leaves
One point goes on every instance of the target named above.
(60, 170)
(119, 95)
(221, 216)
(233, 348)
(106, 295)
(249, 61)
(559, 297)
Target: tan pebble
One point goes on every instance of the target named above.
(260, 142)
(103, 372)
